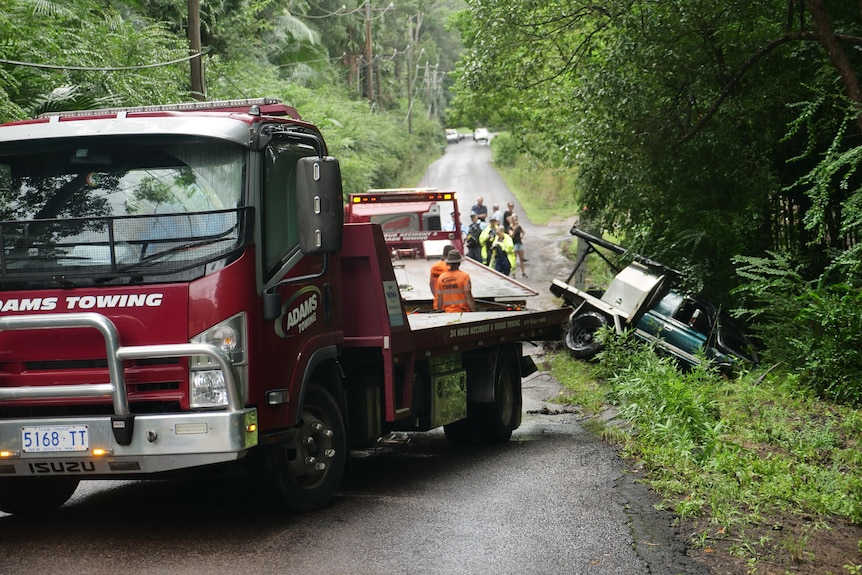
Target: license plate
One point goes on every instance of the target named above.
(48, 438)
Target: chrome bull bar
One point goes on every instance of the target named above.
(122, 420)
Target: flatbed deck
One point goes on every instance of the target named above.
(476, 329)
(489, 285)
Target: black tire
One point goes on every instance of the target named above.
(35, 495)
(304, 474)
(497, 420)
(493, 422)
(579, 335)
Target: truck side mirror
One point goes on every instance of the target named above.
(320, 205)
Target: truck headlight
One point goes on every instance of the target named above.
(208, 389)
(206, 379)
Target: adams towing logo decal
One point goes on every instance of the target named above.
(298, 313)
(81, 302)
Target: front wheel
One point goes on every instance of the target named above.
(304, 473)
(35, 495)
(579, 335)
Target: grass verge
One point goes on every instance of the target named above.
(545, 195)
(753, 464)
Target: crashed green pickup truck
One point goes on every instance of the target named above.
(642, 297)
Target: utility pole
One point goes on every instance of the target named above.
(199, 91)
(432, 96)
(429, 89)
(410, 76)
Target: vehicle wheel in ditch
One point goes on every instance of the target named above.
(579, 336)
(304, 473)
(35, 495)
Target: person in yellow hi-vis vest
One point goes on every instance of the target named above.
(503, 252)
(454, 290)
(486, 238)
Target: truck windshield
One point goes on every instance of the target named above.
(123, 209)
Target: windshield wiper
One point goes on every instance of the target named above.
(150, 260)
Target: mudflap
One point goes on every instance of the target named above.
(528, 366)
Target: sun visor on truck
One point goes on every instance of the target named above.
(320, 205)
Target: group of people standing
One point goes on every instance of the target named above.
(496, 239)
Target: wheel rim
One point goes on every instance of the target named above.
(581, 334)
(314, 449)
(583, 337)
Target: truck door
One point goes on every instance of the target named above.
(305, 331)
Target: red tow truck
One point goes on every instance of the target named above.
(179, 292)
(416, 222)
(415, 232)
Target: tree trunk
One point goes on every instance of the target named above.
(199, 91)
(836, 54)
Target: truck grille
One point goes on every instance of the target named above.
(157, 391)
(92, 363)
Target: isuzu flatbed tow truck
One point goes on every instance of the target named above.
(179, 292)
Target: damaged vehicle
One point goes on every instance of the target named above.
(643, 296)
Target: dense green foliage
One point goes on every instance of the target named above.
(812, 330)
(545, 193)
(80, 54)
(705, 135)
(691, 123)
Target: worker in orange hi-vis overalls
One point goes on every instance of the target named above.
(438, 268)
(454, 291)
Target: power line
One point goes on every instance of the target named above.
(100, 69)
(343, 11)
(383, 12)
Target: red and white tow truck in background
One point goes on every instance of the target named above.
(416, 231)
(179, 291)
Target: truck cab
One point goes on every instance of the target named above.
(137, 246)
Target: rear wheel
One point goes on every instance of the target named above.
(497, 420)
(35, 495)
(304, 473)
(493, 422)
(579, 335)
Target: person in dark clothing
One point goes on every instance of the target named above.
(474, 230)
(507, 216)
(501, 262)
(481, 209)
(517, 233)
(503, 259)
